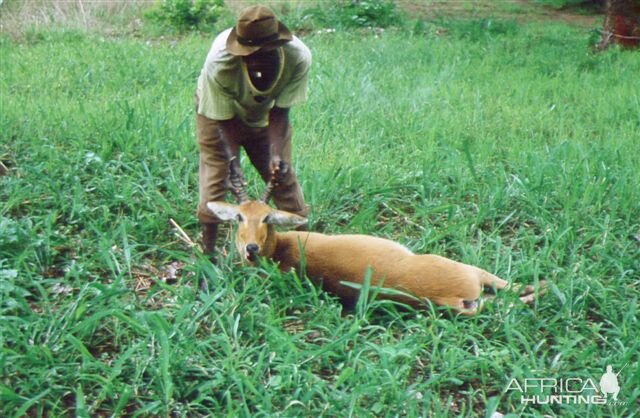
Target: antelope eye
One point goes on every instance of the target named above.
(240, 218)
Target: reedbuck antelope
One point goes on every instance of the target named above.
(334, 259)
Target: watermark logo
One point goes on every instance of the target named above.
(609, 383)
(573, 390)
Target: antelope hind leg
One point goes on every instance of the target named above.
(528, 292)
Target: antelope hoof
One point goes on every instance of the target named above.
(528, 294)
(471, 307)
(470, 304)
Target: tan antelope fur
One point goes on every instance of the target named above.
(334, 259)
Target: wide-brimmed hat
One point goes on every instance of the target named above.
(256, 28)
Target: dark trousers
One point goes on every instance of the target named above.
(214, 166)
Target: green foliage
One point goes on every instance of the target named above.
(184, 15)
(369, 13)
(481, 29)
(354, 14)
(514, 150)
(13, 236)
(561, 4)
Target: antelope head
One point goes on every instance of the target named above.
(256, 235)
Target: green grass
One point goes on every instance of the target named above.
(504, 145)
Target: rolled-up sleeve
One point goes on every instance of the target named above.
(215, 102)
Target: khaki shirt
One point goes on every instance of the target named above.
(225, 90)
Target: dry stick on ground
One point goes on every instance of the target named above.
(3, 169)
(182, 235)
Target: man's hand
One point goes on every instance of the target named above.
(279, 168)
(278, 125)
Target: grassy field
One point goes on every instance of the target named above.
(505, 145)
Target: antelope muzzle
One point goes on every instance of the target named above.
(251, 252)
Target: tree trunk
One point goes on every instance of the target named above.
(622, 24)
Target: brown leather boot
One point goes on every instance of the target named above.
(209, 236)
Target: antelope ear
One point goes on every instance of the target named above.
(224, 211)
(282, 218)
